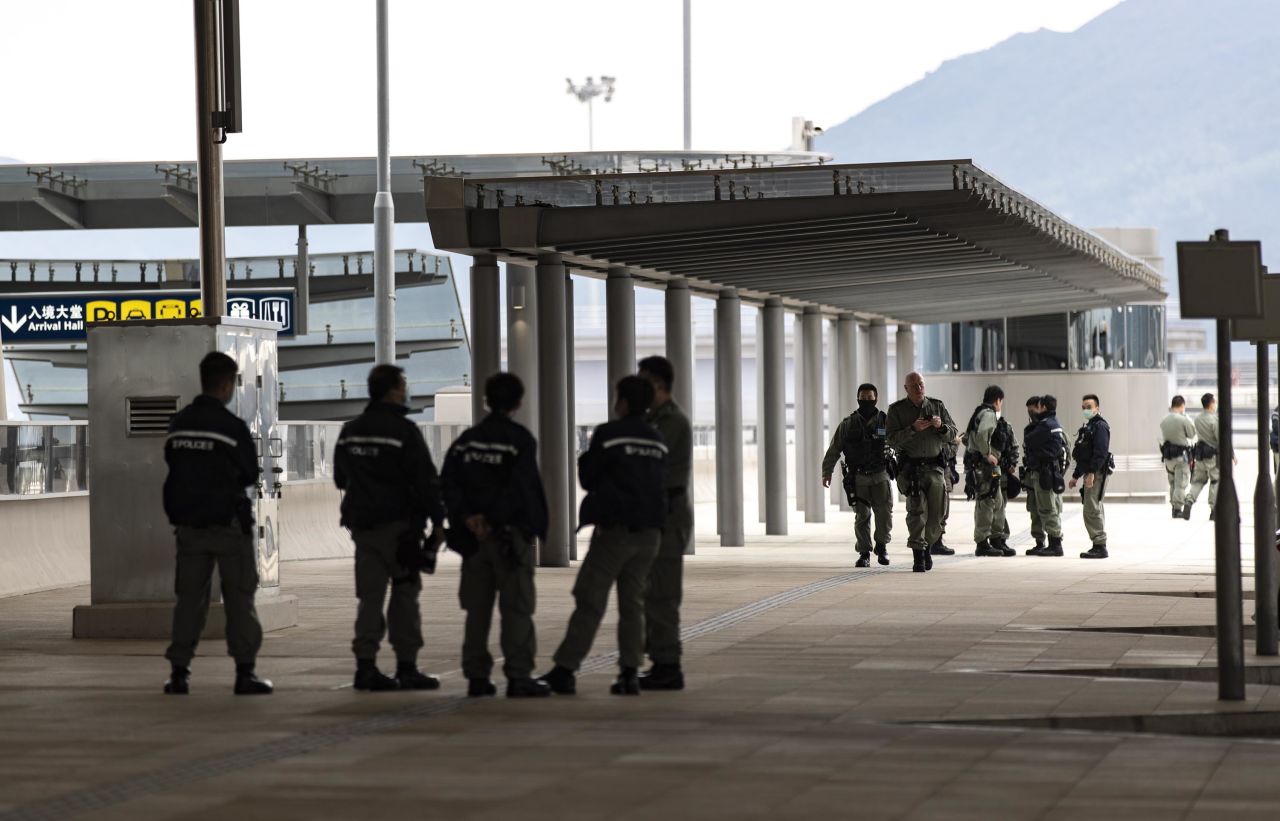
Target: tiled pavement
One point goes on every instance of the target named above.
(846, 699)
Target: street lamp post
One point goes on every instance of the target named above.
(586, 93)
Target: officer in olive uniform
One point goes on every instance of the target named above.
(983, 449)
(860, 439)
(212, 459)
(1177, 436)
(1092, 455)
(497, 507)
(391, 490)
(1043, 475)
(918, 428)
(623, 472)
(1205, 456)
(666, 576)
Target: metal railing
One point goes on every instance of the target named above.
(43, 458)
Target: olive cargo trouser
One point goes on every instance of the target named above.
(989, 509)
(616, 555)
(925, 511)
(1179, 472)
(502, 569)
(232, 551)
(1045, 507)
(1206, 473)
(376, 565)
(875, 499)
(1095, 514)
(665, 591)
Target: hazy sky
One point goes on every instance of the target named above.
(94, 80)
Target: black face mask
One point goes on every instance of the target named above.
(1033, 416)
(867, 407)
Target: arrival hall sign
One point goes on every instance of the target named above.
(54, 318)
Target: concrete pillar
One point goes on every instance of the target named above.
(485, 332)
(553, 396)
(835, 410)
(729, 419)
(571, 414)
(761, 485)
(862, 373)
(679, 338)
(620, 330)
(906, 345)
(522, 340)
(878, 360)
(847, 381)
(774, 420)
(815, 507)
(797, 407)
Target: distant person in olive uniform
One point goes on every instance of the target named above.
(1205, 457)
(1177, 436)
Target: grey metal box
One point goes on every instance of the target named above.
(1266, 329)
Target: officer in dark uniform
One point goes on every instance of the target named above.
(212, 459)
(666, 577)
(1092, 455)
(622, 472)
(392, 490)
(1043, 474)
(497, 507)
(860, 439)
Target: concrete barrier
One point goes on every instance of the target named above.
(45, 542)
(309, 522)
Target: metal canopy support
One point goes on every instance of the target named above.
(679, 337)
(571, 407)
(1264, 503)
(302, 276)
(774, 422)
(878, 359)
(835, 410)
(815, 507)
(797, 408)
(384, 283)
(846, 390)
(688, 75)
(729, 419)
(620, 330)
(553, 394)
(486, 332)
(761, 458)
(209, 139)
(906, 344)
(522, 340)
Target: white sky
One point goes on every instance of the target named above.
(87, 80)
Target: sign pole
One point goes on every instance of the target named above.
(1264, 552)
(1227, 538)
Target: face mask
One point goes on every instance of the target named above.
(1088, 413)
(866, 407)
(999, 414)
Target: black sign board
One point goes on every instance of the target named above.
(1220, 279)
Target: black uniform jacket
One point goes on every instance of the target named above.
(383, 464)
(1045, 443)
(1093, 447)
(622, 472)
(212, 459)
(492, 470)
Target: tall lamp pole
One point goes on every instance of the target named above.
(586, 93)
(384, 289)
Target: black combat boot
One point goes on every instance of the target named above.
(409, 677)
(178, 683)
(627, 684)
(527, 688)
(1054, 548)
(561, 680)
(662, 677)
(1003, 546)
(882, 554)
(939, 549)
(919, 554)
(864, 559)
(1038, 550)
(1177, 511)
(1098, 551)
(1186, 511)
(248, 684)
(986, 548)
(1211, 514)
(370, 679)
(480, 688)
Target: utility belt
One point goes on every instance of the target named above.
(1169, 451)
(1203, 450)
(909, 472)
(850, 483)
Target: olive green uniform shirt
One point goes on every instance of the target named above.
(912, 444)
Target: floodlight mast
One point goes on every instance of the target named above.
(586, 93)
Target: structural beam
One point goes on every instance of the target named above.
(522, 340)
(774, 422)
(729, 419)
(553, 407)
(815, 507)
(486, 330)
(620, 330)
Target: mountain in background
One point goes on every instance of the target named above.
(1158, 113)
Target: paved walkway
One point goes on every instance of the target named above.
(815, 691)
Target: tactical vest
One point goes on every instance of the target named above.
(1001, 439)
(864, 443)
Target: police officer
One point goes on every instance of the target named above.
(1205, 456)
(1177, 435)
(918, 428)
(666, 577)
(391, 490)
(1092, 455)
(497, 507)
(860, 439)
(212, 459)
(985, 442)
(1043, 475)
(622, 472)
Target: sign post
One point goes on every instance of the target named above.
(1261, 332)
(1222, 280)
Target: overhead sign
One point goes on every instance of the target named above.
(52, 318)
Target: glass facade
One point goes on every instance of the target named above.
(1130, 336)
(41, 459)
